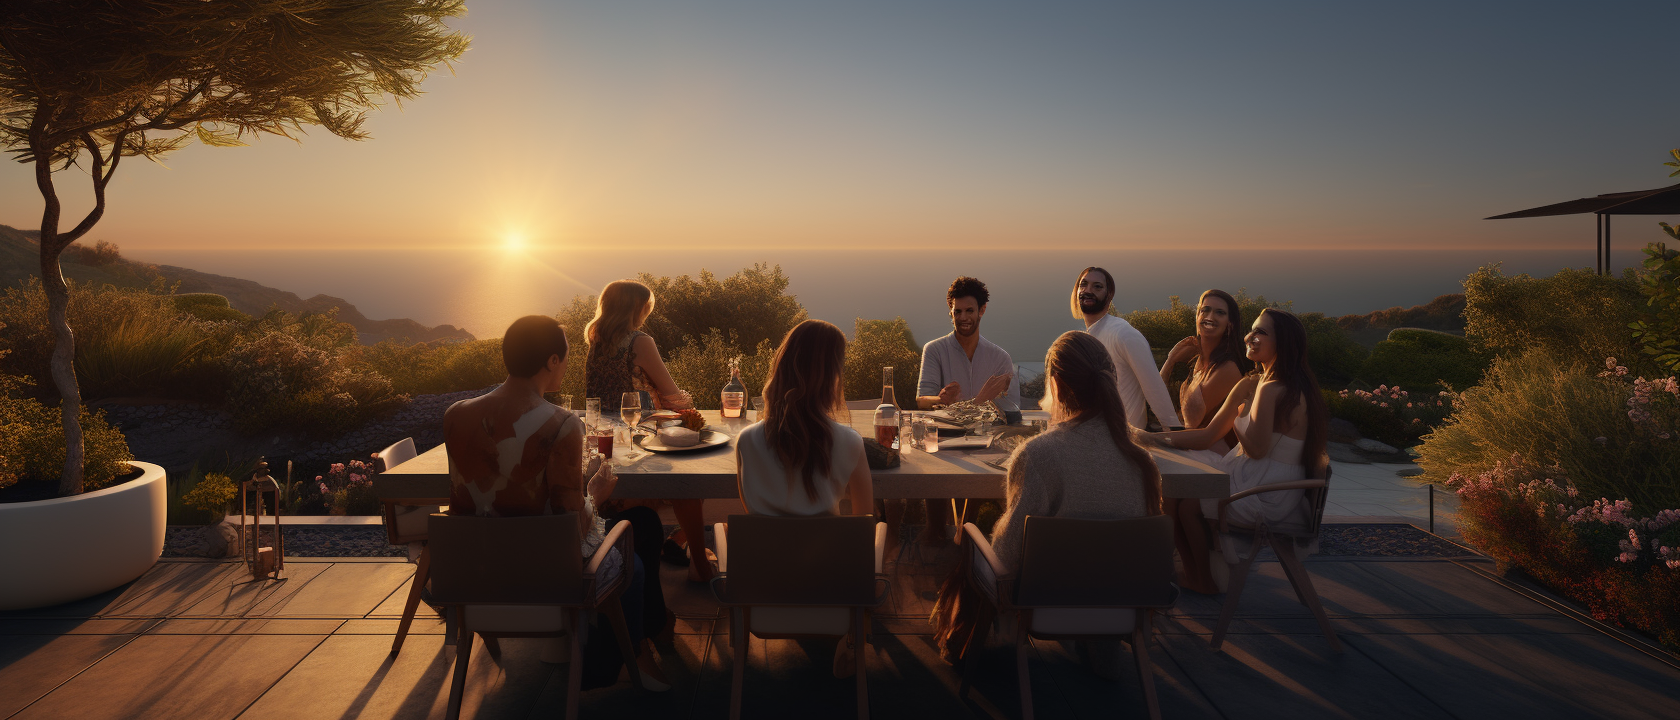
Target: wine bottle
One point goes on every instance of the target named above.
(735, 392)
(886, 414)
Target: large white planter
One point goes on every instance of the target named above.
(63, 549)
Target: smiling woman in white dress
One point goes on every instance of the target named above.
(1281, 424)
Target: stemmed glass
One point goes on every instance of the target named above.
(630, 410)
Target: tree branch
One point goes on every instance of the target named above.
(100, 178)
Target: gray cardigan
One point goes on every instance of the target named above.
(1070, 471)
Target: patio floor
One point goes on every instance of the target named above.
(1425, 638)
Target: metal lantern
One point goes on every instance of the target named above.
(264, 561)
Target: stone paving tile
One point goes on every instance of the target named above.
(682, 661)
(76, 626)
(1447, 588)
(1294, 676)
(30, 667)
(392, 605)
(424, 624)
(355, 676)
(169, 588)
(84, 608)
(344, 590)
(176, 676)
(245, 626)
(1528, 675)
(243, 595)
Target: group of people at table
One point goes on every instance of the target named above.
(1251, 408)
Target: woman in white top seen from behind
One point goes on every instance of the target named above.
(798, 459)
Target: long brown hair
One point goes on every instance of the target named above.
(802, 394)
(1073, 297)
(623, 305)
(1080, 363)
(1230, 347)
(1290, 368)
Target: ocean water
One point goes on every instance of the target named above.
(484, 291)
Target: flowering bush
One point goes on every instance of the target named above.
(1591, 425)
(1625, 568)
(345, 489)
(1390, 414)
(279, 381)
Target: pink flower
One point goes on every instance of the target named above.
(1610, 363)
(317, 478)
(1384, 404)
(337, 468)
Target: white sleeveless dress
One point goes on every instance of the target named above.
(1282, 463)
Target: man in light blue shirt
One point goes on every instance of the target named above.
(963, 365)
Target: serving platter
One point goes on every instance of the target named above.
(708, 439)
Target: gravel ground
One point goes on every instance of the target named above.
(369, 541)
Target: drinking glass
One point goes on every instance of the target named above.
(758, 407)
(906, 433)
(591, 412)
(564, 401)
(630, 410)
(930, 435)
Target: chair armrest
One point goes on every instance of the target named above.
(721, 531)
(880, 545)
(1273, 487)
(1266, 488)
(614, 537)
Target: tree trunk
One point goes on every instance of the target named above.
(64, 343)
(64, 369)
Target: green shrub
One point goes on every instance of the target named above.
(1390, 414)
(211, 495)
(752, 307)
(1577, 315)
(1424, 360)
(1335, 356)
(1569, 417)
(279, 382)
(433, 368)
(209, 306)
(1658, 329)
(702, 367)
(32, 445)
(876, 344)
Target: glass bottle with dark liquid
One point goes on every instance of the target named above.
(886, 414)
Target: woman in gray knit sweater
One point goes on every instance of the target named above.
(1086, 465)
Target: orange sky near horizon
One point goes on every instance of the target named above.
(595, 127)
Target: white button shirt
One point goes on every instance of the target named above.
(1135, 372)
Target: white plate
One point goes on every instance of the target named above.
(708, 439)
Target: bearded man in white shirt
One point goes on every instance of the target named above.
(1136, 376)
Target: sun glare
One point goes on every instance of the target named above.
(513, 242)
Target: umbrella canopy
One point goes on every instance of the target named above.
(1659, 201)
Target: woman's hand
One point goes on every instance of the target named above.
(1185, 350)
(602, 481)
(1243, 391)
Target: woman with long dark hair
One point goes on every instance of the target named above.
(1282, 425)
(1085, 466)
(799, 459)
(1217, 360)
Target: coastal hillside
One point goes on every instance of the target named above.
(20, 260)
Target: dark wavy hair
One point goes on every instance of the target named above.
(1291, 369)
(1231, 346)
(800, 397)
(1084, 371)
(966, 286)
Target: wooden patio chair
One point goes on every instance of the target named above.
(525, 577)
(1079, 580)
(405, 524)
(1293, 540)
(795, 577)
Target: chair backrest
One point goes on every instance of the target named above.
(1072, 562)
(1316, 499)
(398, 453)
(802, 560)
(517, 560)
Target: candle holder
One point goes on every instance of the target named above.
(263, 561)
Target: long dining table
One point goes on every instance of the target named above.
(710, 472)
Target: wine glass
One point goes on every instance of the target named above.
(630, 410)
(591, 412)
